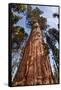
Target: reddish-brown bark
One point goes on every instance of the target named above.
(35, 66)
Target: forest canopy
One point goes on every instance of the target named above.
(20, 14)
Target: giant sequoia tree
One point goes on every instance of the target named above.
(35, 66)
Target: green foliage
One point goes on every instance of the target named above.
(56, 74)
(43, 22)
(13, 7)
(18, 33)
(55, 15)
(35, 12)
(17, 7)
(55, 33)
(56, 56)
(21, 8)
(34, 16)
(46, 49)
(53, 47)
(50, 42)
(14, 19)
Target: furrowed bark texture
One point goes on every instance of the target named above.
(35, 66)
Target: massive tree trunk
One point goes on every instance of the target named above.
(35, 66)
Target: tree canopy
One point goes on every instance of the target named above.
(34, 16)
(18, 32)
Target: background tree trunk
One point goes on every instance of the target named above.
(35, 66)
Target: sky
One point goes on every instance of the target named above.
(48, 13)
(52, 22)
